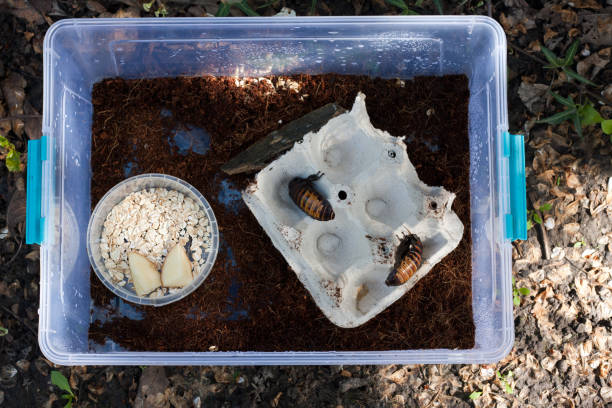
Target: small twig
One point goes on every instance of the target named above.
(573, 265)
(542, 231)
(581, 88)
(20, 320)
(433, 399)
(16, 253)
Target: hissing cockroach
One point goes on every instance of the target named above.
(305, 196)
(408, 259)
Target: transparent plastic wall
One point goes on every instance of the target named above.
(79, 53)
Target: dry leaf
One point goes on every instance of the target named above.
(33, 255)
(604, 368)
(534, 46)
(572, 208)
(16, 211)
(583, 289)
(561, 194)
(549, 34)
(23, 9)
(591, 4)
(547, 176)
(545, 294)
(567, 16)
(570, 353)
(606, 394)
(14, 96)
(571, 228)
(585, 348)
(532, 95)
(399, 376)
(596, 60)
(33, 126)
(572, 180)
(94, 6)
(600, 338)
(130, 12)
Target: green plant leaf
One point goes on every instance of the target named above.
(409, 12)
(68, 404)
(588, 115)
(246, 9)
(546, 207)
(513, 281)
(577, 124)
(558, 117)
(224, 10)
(551, 57)
(161, 12)
(268, 4)
(524, 291)
(475, 395)
(516, 300)
(398, 3)
(508, 388)
(4, 142)
(12, 161)
(313, 7)
(537, 219)
(147, 6)
(438, 4)
(578, 244)
(59, 380)
(606, 126)
(563, 101)
(573, 74)
(3, 331)
(571, 53)
(529, 225)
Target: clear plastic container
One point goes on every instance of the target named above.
(113, 197)
(78, 53)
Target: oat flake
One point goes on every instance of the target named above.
(151, 222)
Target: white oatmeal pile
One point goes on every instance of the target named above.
(151, 222)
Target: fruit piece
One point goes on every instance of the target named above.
(176, 271)
(144, 274)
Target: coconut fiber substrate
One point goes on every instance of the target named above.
(252, 301)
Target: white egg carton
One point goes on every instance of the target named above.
(377, 197)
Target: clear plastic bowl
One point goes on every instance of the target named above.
(113, 197)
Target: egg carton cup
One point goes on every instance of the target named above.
(377, 198)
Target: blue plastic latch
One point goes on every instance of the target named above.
(37, 153)
(516, 221)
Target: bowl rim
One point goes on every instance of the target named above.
(206, 267)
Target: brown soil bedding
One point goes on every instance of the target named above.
(252, 300)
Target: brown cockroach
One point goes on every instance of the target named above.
(305, 196)
(408, 258)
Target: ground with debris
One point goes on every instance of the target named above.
(563, 333)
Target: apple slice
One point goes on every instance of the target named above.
(176, 271)
(144, 274)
